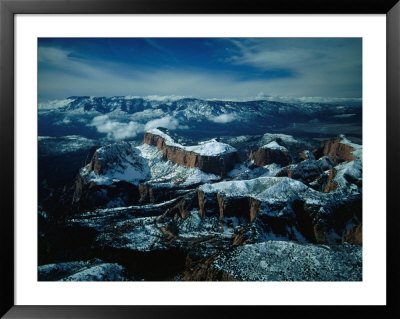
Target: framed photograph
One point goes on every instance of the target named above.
(173, 159)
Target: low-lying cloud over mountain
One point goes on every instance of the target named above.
(224, 118)
(118, 130)
(168, 122)
(115, 129)
(123, 117)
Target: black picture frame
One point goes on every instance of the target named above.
(8, 8)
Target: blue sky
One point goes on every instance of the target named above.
(200, 67)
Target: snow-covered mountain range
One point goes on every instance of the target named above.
(127, 117)
(198, 109)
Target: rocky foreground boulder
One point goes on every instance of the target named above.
(90, 270)
(279, 261)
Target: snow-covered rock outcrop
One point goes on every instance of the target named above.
(279, 261)
(211, 156)
(284, 205)
(339, 149)
(91, 270)
(122, 174)
(271, 153)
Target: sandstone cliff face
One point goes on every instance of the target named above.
(224, 206)
(265, 156)
(219, 164)
(146, 194)
(312, 173)
(91, 195)
(353, 235)
(154, 140)
(317, 227)
(330, 183)
(151, 194)
(338, 151)
(114, 153)
(341, 214)
(96, 164)
(208, 204)
(204, 270)
(325, 183)
(239, 240)
(285, 172)
(294, 219)
(182, 207)
(306, 154)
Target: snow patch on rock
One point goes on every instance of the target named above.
(91, 270)
(357, 148)
(291, 261)
(207, 148)
(262, 188)
(143, 164)
(275, 146)
(102, 272)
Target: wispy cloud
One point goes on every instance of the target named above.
(313, 67)
(154, 44)
(168, 122)
(320, 67)
(52, 55)
(224, 118)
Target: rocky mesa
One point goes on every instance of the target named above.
(210, 156)
(340, 149)
(271, 153)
